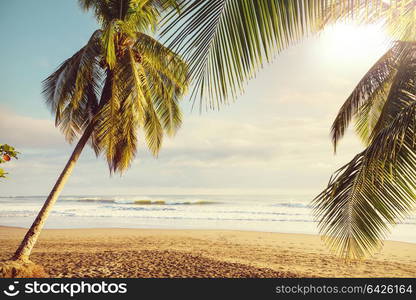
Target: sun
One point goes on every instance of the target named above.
(352, 42)
(350, 37)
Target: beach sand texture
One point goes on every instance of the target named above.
(200, 253)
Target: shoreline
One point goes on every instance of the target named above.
(188, 229)
(128, 252)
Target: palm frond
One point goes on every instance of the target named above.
(166, 80)
(109, 40)
(161, 58)
(402, 90)
(360, 11)
(357, 209)
(126, 145)
(71, 91)
(371, 90)
(144, 15)
(136, 86)
(401, 21)
(373, 192)
(369, 112)
(107, 118)
(152, 126)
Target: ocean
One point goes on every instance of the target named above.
(271, 213)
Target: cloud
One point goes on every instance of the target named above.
(272, 143)
(266, 152)
(26, 132)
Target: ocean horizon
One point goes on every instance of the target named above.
(263, 213)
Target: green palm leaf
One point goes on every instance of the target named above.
(373, 192)
(376, 189)
(152, 126)
(370, 91)
(402, 87)
(108, 118)
(71, 91)
(166, 78)
(369, 112)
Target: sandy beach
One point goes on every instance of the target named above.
(200, 253)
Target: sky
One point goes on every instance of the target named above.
(273, 140)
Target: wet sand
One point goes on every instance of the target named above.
(200, 253)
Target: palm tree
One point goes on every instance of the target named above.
(120, 81)
(376, 189)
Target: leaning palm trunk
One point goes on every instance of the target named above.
(26, 246)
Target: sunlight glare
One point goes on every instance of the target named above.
(351, 42)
